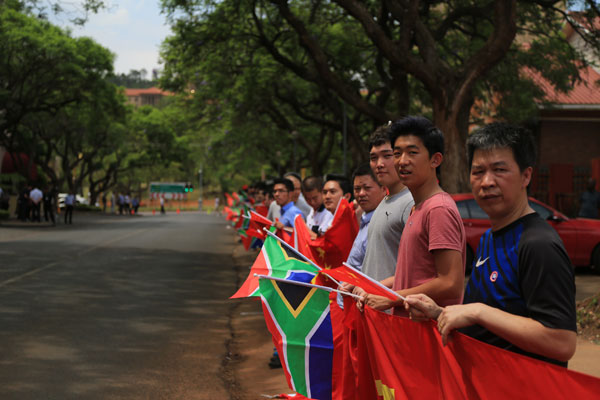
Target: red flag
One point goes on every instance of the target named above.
(236, 196)
(333, 247)
(286, 236)
(417, 366)
(262, 209)
(302, 240)
(231, 215)
(352, 275)
(229, 199)
(256, 225)
(240, 220)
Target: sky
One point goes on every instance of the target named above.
(132, 29)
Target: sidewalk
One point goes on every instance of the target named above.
(253, 346)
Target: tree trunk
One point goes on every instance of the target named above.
(454, 169)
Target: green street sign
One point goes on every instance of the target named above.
(167, 187)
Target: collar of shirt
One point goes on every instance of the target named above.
(366, 218)
(287, 207)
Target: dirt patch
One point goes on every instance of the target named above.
(588, 318)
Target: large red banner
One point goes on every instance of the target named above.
(392, 357)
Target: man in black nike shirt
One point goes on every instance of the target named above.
(521, 295)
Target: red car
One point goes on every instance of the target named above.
(581, 236)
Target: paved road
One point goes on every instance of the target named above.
(116, 308)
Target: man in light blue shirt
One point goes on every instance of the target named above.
(282, 191)
(368, 194)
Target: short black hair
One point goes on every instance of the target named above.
(289, 185)
(312, 183)
(421, 127)
(362, 170)
(294, 174)
(502, 135)
(342, 181)
(380, 136)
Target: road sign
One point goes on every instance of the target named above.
(167, 187)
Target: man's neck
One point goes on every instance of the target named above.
(425, 191)
(519, 211)
(396, 188)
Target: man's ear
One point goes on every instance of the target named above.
(436, 160)
(526, 176)
(348, 196)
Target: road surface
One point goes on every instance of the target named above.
(129, 307)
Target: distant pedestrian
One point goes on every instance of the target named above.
(49, 205)
(69, 206)
(112, 203)
(162, 205)
(121, 203)
(36, 196)
(23, 205)
(590, 201)
(135, 203)
(127, 204)
(104, 202)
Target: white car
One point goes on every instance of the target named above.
(78, 200)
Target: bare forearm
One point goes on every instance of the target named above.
(527, 333)
(439, 289)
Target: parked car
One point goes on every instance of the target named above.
(78, 200)
(581, 236)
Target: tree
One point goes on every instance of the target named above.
(42, 70)
(436, 54)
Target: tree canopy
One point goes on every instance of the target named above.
(295, 65)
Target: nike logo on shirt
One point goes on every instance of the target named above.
(480, 262)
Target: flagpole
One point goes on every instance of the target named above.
(382, 286)
(328, 289)
(308, 260)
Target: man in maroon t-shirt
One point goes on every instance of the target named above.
(431, 256)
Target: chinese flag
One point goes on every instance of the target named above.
(302, 240)
(337, 241)
(256, 225)
(344, 273)
(402, 359)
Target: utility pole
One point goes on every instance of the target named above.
(200, 189)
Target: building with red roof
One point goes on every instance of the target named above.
(569, 141)
(146, 97)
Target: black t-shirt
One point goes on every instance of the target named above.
(523, 269)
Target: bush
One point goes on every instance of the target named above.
(85, 207)
(4, 214)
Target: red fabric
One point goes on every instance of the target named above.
(302, 240)
(229, 199)
(262, 209)
(332, 249)
(286, 236)
(250, 285)
(351, 275)
(395, 353)
(240, 220)
(338, 239)
(230, 214)
(247, 241)
(337, 326)
(256, 225)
